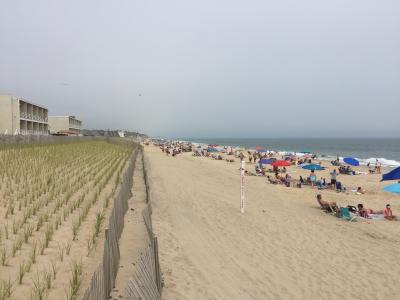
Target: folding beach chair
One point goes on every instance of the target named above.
(338, 186)
(346, 215)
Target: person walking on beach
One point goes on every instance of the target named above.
(250, 156)
(313, 178)
(378, 167)
(254, 157)
(241, 156)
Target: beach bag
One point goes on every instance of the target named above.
(352, 209)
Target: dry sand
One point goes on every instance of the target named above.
(134, 237)
(282, 247)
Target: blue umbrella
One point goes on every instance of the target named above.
(351, 161)
(392, 175)
(266, 161)
(313, 167)
(393, 188)
(212, 150)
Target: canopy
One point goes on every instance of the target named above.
(212, 145)
(393, 188)
(212, 150)
(351, 161)
(280, 163)
(266, 161)
(306, 151)
(392, 175)
(313, 167)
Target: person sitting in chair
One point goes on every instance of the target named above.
(271, 180)
(326, 205)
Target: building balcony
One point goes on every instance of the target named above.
(28, 116)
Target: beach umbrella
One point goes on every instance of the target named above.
(212, 150)
(280, 163)
(266, 161)
(212, 145)
(392, 175)
(351, 161)
(393, 188)
(313, 167)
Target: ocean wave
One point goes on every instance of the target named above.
(385, 162)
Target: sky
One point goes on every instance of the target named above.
(208, 68)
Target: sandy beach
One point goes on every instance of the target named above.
(282, 247)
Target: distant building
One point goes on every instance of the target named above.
(121, 133)
(65, 125)
(19, 116)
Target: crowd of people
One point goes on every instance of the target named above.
(174, 148)
(359, 210)
(281, 176)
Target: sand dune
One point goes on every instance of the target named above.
(282, 247)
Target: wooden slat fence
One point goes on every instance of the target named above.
(146, 282)
(103, 278)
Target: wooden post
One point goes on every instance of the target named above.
(242, 168)
(157, 264)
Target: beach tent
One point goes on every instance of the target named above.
(281, 163)
(266, 161)
(351, 161)
(393, 188)
(305, 151)
(313, 167)
(392, 175)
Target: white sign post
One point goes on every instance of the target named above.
(242, 186)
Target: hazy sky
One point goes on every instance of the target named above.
(209, 68)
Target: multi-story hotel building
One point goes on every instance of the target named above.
(67, 125)
(19, 116)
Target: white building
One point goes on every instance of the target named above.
(68, 125)
(19, 116)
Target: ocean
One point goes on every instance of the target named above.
(387, 150)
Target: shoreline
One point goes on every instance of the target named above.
(386, 162)
(390, 161)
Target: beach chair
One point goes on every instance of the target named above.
(339, 187)
(329, 209)
(346, 215)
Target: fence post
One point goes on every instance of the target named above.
(157, 264)
(106, 264)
